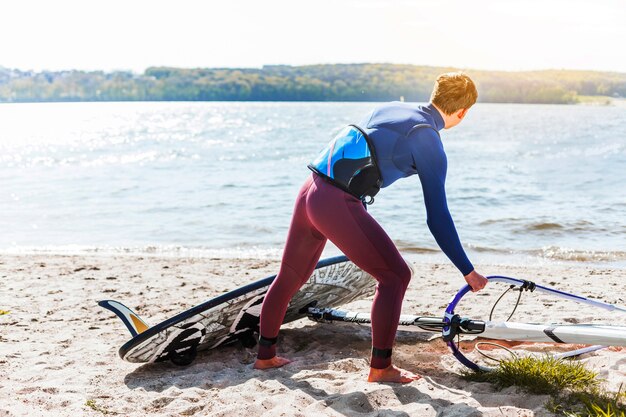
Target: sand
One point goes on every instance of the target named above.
(58, 349)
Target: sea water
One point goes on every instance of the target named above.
(525, 183)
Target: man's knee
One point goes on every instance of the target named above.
(405, 273)
(398, 276)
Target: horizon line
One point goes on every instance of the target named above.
(127, 70)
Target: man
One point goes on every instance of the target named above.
(395, 141)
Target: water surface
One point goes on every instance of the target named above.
(523, 180)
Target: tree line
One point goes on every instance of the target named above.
(339, 82)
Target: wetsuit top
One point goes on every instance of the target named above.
(402, 151)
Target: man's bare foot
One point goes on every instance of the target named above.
(392, 374)
(275, 362)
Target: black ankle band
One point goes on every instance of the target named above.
(264, 341)
(381, 353)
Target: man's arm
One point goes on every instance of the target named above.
(431, 165)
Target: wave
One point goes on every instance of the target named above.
(545, 226)
(409, 247)
(520, 226)
(238, 252)
(557, 253)
(566, 254)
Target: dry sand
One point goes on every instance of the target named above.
(58, 349)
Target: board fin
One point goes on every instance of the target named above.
(133, 322)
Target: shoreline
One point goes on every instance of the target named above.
(58, 353)
(582, 100)
(549, 256)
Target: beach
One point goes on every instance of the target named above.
(58, 348)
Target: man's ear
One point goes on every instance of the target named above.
(461, 114)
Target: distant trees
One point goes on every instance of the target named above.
(345, 82)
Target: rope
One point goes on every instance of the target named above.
(526, 286)
(477, 348)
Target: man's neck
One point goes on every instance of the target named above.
(444, 116)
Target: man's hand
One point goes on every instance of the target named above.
(476, 281)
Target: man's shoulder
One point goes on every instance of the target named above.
(397, 116)
(395, 106)
(425, 139)
(424, 131)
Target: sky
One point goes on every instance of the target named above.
(478, 34)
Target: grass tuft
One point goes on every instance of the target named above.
(3, 312)
(92, 404)
(545, 375)
(575, 390)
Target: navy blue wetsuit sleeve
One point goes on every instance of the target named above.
(431, 165)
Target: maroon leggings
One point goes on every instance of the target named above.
(323, 211)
